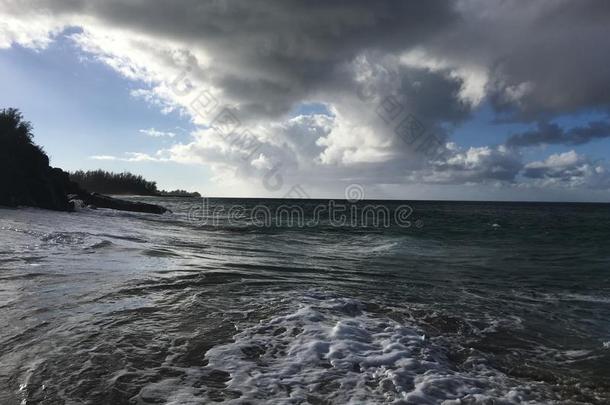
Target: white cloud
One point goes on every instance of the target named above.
(474, 165)
(557, 161)
(103, 157)
(568, 169)
(262, 162)
(152, 132)
(35, 31)
(132, 157)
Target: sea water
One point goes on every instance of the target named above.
(230, 301)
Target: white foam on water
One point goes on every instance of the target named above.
(384, 247)
(585, 298)
(331, 350)
(24, 385)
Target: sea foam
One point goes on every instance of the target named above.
(333, 351)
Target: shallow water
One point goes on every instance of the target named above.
(476, 302)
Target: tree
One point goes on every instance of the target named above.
(25, 175)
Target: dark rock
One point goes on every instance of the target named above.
(102, 201)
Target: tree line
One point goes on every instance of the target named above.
(103, 182)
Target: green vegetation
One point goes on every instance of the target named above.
(179, 193)
(25, 175)
(103, 182)
(100, 181)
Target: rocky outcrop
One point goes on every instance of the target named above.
(26, 179)
(44, 188)
(52, 189)
(102, 201)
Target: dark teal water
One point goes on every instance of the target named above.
(454, 303)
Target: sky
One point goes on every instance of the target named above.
(463, 100)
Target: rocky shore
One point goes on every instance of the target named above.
(52, 189)
(96, 200)
(26, 179)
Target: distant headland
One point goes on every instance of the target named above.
(100, 181)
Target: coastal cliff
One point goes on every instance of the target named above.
(27, 179)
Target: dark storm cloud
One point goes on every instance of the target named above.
(270, 54)
(564, 59)
(549, 134)
(433, 97)
(544, 57)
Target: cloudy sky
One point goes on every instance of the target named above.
(472, 99)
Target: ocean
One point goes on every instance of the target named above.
(279, 302)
